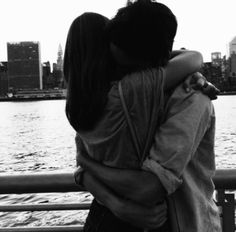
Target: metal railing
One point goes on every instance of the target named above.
(225, 181)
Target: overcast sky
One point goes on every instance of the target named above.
(203, 25)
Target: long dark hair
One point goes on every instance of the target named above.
(87, 72)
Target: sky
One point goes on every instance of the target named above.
(203, 25)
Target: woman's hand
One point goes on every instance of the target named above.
(198, 82)
(210, 90)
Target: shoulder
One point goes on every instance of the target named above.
(140, 89)
(194, 100)
(143, 78)
(143, 83)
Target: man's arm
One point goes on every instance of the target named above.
(140, 216)
(189, 116)
(137, 185)
(181, 64)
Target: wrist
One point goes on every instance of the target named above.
(78, 177)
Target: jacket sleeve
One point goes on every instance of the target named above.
(187, 119)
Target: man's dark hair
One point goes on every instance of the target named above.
(144, 30)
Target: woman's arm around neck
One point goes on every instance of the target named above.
(181, 64)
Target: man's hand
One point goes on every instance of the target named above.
(198, 82)
(138, 185)
(127, 210)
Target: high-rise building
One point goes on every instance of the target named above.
(3, 79)
(58, 68)
(232, 46)
(233, 63)
(24, 65)
(46, 75)
(232, 75)
(60, 58)
(213, 73)
(216, 58)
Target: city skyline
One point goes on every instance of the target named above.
(205, 26)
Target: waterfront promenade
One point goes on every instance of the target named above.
(30, 95)
(52, 95)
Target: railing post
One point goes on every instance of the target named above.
(227, 203)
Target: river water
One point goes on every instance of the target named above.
(36, 137)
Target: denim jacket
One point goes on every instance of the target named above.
(182, 156)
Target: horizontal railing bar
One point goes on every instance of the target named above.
(225, 179)
(64, 182)
(49, 207)
(38, 183)
(43, 229)
(43, 207)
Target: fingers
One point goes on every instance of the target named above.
(186, 84)
(198, 82)
(201, 82)
(195, 81)
(211, 91)
(212, 87)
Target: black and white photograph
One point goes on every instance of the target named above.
(117, 116)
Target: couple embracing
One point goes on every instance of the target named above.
(145, 142)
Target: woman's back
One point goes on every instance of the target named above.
(110, 140)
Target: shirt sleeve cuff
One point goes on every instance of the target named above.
(168, 179)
